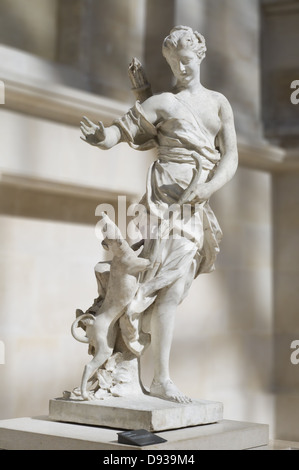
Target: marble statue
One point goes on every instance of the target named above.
(192, 130)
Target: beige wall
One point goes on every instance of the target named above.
(44, 278)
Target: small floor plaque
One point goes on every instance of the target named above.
(140, 437)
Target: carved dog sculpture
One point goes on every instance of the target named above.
(122, 285)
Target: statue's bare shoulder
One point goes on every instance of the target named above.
(159, 106)
(223, 103)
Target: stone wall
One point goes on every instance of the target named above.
(280, 68)
(30, 26)
(233, 330)
(286, 301)
(281, 119)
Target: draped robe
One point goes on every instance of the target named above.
(189, 244)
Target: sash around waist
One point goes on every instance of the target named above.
(181, 155)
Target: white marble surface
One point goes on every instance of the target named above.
(136, 412)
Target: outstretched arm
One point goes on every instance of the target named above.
(98, 135)
(107, 137)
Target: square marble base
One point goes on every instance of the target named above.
(142, 412)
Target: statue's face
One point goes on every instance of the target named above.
(184, 64)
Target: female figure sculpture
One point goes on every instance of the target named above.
(191, 128)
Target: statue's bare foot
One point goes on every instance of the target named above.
(168, 391)
(87, 395)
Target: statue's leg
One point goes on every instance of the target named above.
(99, 359)
(162, 327)
(104, 337)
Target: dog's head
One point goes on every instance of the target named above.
(113, 239)
(112, 244)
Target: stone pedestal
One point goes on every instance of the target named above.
(140, 412)
(43, 434)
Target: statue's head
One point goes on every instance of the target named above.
(184, 50)
(184, 38)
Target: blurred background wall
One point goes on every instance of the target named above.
(61, 59)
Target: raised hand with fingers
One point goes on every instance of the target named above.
(99, 135)
(94, 134)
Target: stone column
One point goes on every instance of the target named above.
(286, 302)
(100, 37)
(117, 36)
(29, 26)
(281, 122)
(73, 32)
(280, 67)
(159, 21)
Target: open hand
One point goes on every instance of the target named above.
(94, 134)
